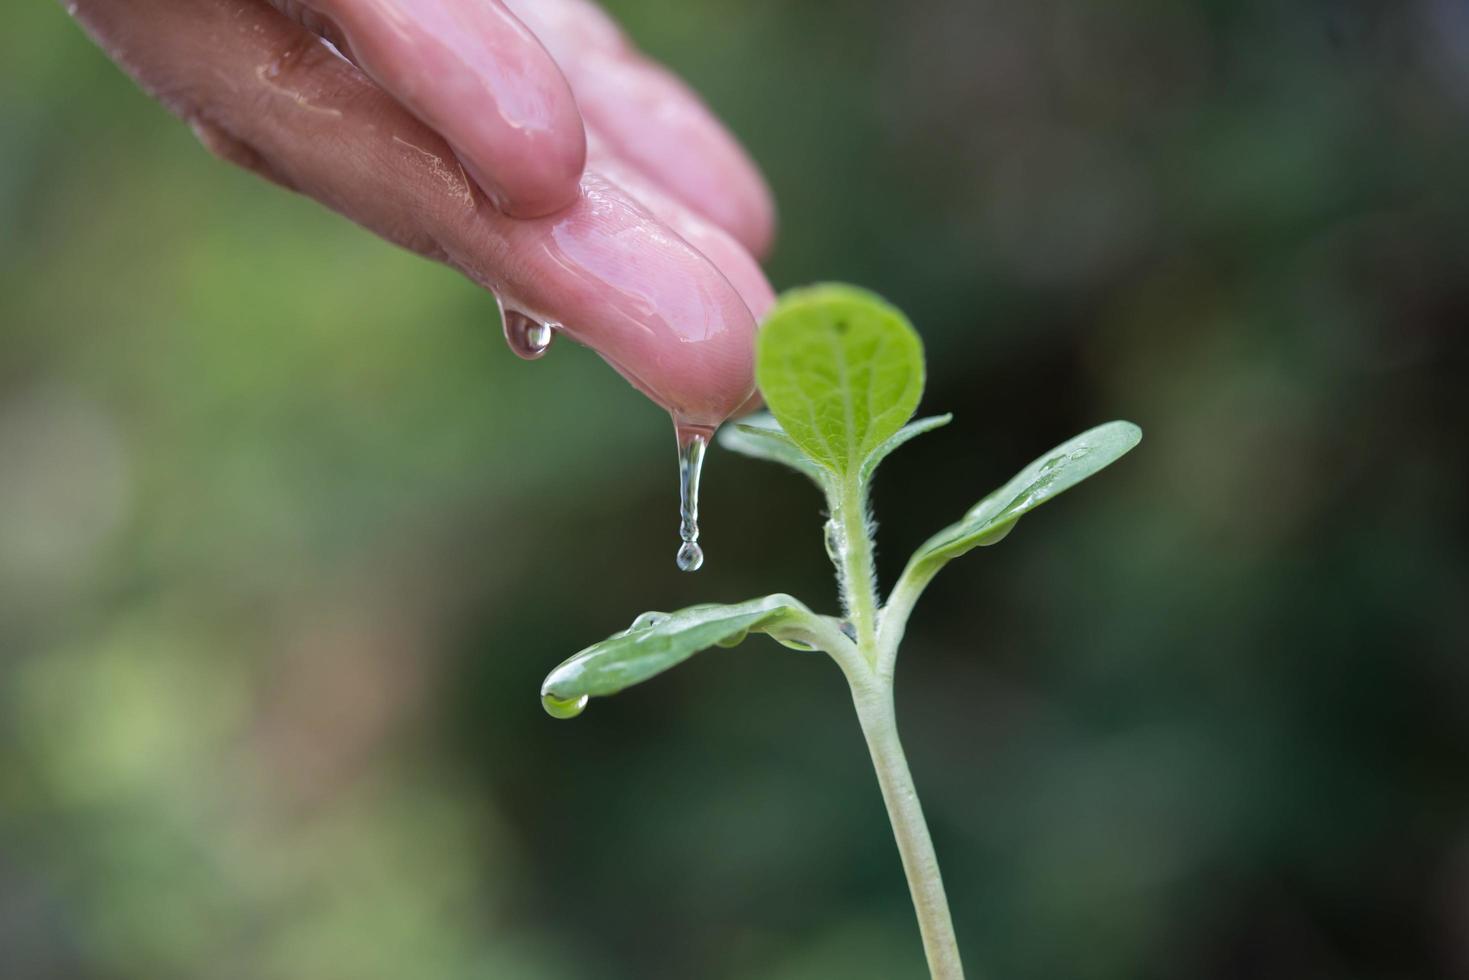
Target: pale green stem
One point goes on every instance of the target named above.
(868, 665)
(874, 704)
(858, 576)
(895, 616)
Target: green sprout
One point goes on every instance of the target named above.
(842, 373)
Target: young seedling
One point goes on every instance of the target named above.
(842, 373)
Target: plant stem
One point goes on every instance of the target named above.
(874, 702)
(858, 576)
(895, 617)
(869, 666)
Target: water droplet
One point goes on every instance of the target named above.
(733, 641)
(692, 441)
(834, 541)
(648, 620)
(563, 707)
(801, 645)
(996, 534)
(528, 337)
(1080, 453)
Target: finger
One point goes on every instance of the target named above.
(617, 278)
(713, 242)
(474, 73)
(652, 120)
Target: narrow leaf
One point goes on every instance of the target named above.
(915, 428)
(841, 369)
(761, 437)
(1057, 471)
(656, 642)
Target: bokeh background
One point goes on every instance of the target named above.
(288, 538)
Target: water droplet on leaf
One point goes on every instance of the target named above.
(735, 640)
(801, 645)
(563, 707)
(996, 534)
(648, 620)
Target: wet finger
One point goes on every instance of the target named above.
(605, 267)
(477, 75)
(653, 121)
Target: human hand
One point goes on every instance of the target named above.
(525, 144)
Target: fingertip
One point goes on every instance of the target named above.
(668, 320)
(753, 220)
(532, 176)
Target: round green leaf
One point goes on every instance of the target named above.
(841, 370)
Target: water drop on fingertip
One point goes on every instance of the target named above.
(529, 338)
(563, 707)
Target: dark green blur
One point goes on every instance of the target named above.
(288, 538)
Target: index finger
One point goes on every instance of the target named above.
(476, 75)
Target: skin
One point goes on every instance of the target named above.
(526, 144)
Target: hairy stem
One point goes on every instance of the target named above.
(874, 702)
(855, 565)
(868, 665)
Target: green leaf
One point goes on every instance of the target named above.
(1057, 471)
(917, 428)
(761, 437)
(658, 641)
(841, 369)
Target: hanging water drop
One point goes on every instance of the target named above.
(692, 441)
(563, 707)
(690, 557)
(528, 337)
(834, 542)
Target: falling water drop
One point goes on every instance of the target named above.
(563, 707)
(692, 441)
(528, 337)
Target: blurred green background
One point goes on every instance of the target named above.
(288, 538)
